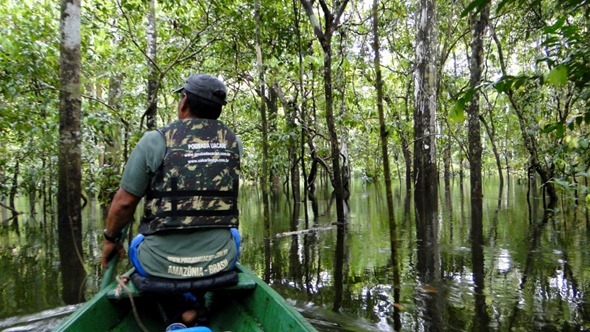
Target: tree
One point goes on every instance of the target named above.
(425, 170)
(151, 54)
(478, 27)
(70, 156)
(385, 155)
(324, 37)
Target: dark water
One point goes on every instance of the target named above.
(527, 274)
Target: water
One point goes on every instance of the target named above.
(525, 275)
(41, 321)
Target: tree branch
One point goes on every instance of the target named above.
(312, 18)
(9, 208)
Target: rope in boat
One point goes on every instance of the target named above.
(134, 308)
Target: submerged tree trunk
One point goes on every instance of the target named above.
(152, 83)
(325, 38)
(302, 113)
(425, 171)
(383, 129)
(386, 169)
(264, 123)
(70, 156)
(475, 166)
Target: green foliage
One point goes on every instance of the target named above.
(457, 113)
(218, 37)
(558, 76)
(476, 5)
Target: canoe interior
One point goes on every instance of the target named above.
(252, 305)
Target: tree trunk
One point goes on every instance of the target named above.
(292, 142)
(386, 168)
(474, 128)
(152, 83)
(13, 191)
(113, 148)
(528, 136)
(447, 160)
(274, 177)
(113, 154)
(325, 39)
(404, 135)
(264, 123)
(383, 129)
(492, 135)
(70, 153)
(425, 100)
(302, 112)
(478, 26)
(425, 171)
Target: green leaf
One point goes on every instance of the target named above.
(457, 114)
(502, 4)
(553, 28)
(549, 128)
(500, 86)
(479, 4)
(468, 96)
(558, 127)
(517, 83)
(560, 130)
(558, 76)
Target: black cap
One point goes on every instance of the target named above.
(205, 86)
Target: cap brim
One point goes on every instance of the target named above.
(178, 90)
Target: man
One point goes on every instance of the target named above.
(188, 172)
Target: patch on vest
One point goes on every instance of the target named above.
(196, 271)
(196, 155)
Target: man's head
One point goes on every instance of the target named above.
(205, 95)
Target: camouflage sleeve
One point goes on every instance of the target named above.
(144, 160)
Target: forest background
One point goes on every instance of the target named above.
(340, 89)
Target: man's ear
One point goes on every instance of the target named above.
(183, 106)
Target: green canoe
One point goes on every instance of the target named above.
(251, 305)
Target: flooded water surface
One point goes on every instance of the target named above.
(525, 270)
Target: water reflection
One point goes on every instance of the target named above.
(30, 270)
(511, 272)
(429, 289)
(73, 273)
(481, 320)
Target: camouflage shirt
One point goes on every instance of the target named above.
(197, 184)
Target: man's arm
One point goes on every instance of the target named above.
(121, 210)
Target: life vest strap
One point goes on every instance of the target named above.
(198, 213)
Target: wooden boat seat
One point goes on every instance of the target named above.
(245, 282)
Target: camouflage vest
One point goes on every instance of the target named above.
(197, 184)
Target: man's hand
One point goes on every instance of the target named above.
(109, 250)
